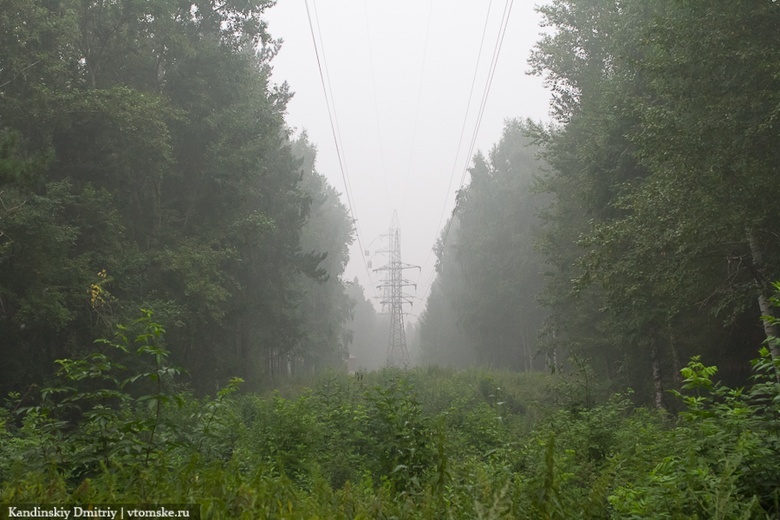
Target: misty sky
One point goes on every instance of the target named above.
(400, 74)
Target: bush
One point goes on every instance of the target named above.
(723, 455)
(404, 444)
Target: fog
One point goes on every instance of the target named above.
(400, 75)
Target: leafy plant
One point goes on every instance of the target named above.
(103, 417)
(402, 437)
(726, 451)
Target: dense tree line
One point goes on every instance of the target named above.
(659, 237)
(483, 306)
(145, 162)
(368, 331)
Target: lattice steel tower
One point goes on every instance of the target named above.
(394, 298)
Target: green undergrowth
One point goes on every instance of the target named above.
(424, 443)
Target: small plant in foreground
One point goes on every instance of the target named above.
(98, 417)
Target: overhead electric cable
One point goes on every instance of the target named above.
(462, 131)
(331, 101)
(486, 92)
(491, 73)
(489, 84)
(419, 100)
(376, 107)
(344, 177)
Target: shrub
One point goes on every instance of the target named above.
(723, 455)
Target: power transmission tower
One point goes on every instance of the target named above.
(394, 298)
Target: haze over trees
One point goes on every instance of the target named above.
(666, 156)
(658, 200)
(145, 162)
(166, 239)
(484, 308)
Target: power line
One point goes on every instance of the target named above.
(462, 132)
(491, 73)
(336, 135)
(419, 99)
(376, 106)
(486, 92)
(332, 114)
(330, 101)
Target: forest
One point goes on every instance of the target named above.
(600, 340)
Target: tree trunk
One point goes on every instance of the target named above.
(552, 355)
(762, 286)
(656, 368)
(676, 379)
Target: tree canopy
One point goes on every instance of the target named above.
(651, 213)
(664, 179)
(483, 306)
(145, 162)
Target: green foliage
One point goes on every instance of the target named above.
(402, 444)
(326, 235)
(145, 162)
(101, 417)
(663, 183)
(483, 307)
(725, 451)
(145, 139)
(417, 444)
